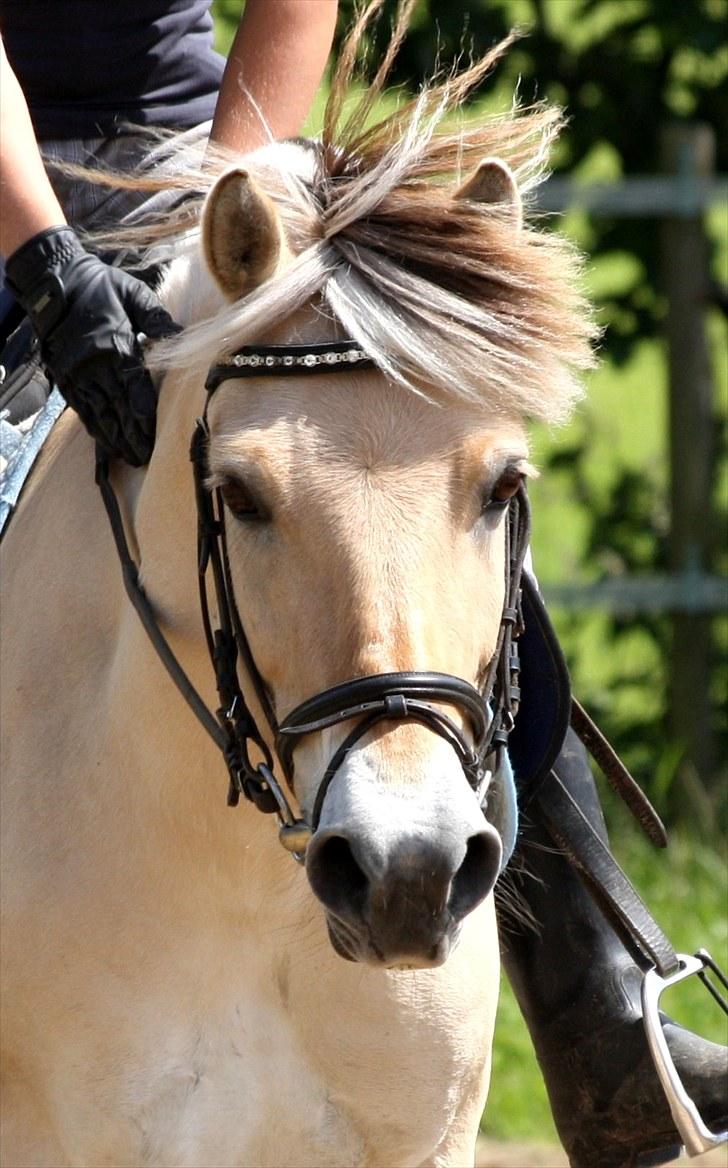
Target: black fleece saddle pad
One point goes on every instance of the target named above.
(545, 707)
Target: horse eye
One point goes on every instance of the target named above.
(242, 503)
(504, 489)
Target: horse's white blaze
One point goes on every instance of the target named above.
(429, 795)
(396, 800)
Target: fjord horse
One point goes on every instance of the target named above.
(177, 989)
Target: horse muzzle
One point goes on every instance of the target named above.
(398, 869)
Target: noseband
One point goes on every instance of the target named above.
(488, 712)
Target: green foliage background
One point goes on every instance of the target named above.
(621, 68)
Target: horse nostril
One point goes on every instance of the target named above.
(476, 875)
(335, 876)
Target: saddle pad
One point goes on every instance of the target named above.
(19, 447)
(503, 809)
(545, 707)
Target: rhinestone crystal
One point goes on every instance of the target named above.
(287, 360)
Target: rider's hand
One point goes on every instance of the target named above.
(88, 316)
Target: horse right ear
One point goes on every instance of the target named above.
(241, 234)
(493, 182)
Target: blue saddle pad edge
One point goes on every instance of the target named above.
(545, 707)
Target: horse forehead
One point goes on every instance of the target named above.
(361, 422)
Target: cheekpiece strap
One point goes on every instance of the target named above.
(277, 360)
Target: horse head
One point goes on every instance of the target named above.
(366, 535)
(372, 343)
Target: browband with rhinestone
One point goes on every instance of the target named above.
(264, 360)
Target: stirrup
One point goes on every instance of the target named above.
(693, 1132)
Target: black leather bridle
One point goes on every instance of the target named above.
(488, 712)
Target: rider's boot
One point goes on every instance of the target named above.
(579, 991)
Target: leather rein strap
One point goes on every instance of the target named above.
(489, 711)
(613, 891)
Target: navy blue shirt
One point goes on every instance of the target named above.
(86, 67)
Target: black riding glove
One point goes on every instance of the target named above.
(87, 316)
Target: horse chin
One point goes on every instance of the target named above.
(341, 944)
(359, 947)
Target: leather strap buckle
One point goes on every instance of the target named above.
(694, 1133)
(293, 832)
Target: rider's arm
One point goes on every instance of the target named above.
(275, 63)
(277, 59)
(27, 201)
(86, 314)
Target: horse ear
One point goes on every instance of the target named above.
(241, 234)
(492, 182)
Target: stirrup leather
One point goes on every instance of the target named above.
(694, 1133)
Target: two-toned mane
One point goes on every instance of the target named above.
(411, 233)
(176, 985)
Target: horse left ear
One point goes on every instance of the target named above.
(492, 182)
(241, 234)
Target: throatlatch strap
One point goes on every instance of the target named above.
(146, 613)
